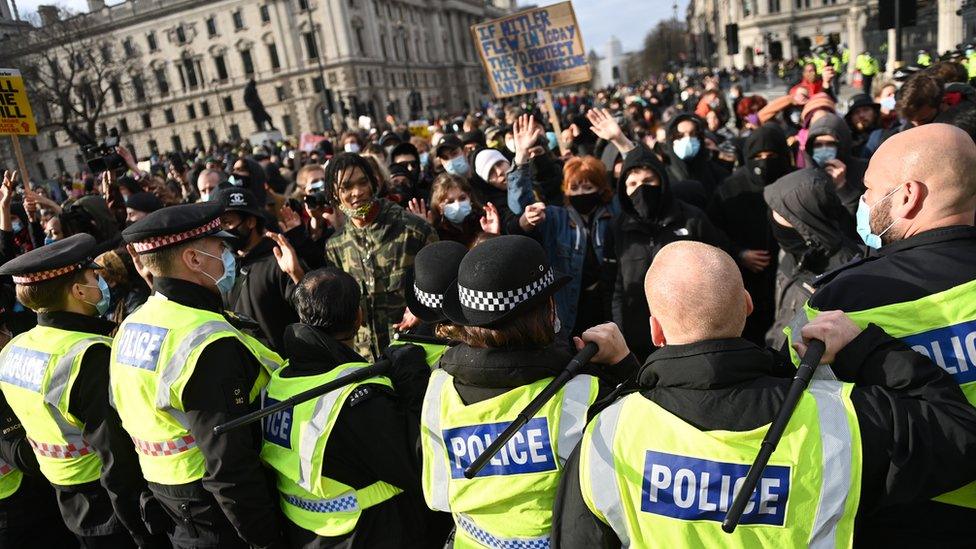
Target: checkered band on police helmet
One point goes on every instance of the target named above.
(480, 300)
(427, 299)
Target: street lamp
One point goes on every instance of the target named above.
(220, 106)
(326, 111)
(413, 103)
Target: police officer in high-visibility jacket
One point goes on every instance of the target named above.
(920, 284)
(55, 379)
(502, 302)
(346, 462)
(660, 467)
(180, 367)
(434, 269)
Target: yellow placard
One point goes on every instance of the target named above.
(533, 50)
(16, 117)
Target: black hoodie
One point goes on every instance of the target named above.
(637, 240)
(833, 125)
(700, 167)
(371, 441)
(805, 199)
(737, 208)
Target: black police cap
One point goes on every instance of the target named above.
(59, 258)
(175, 225)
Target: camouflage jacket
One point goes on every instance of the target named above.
(378, 256)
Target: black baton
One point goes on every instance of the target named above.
(574, 366)
(808, 364)
(378, 369)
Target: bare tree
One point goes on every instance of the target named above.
(71, 74)
(664, 46)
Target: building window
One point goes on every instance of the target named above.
(116, 92)
(127, 47)
(176, 143)
(802, 3)
(60, 164)
(302, 5)
(151, 40)
(180, 35)
(205, 108)
(106, 53)
(198, 139)
(310, 46)
(235, 132)
(123, 125)
(52, 140)
(265, 14)
(146, 120)
(289, 126)
(212, 136)
(33, 144)
(161, 81)
(42, 170)
(153, 147)
(773, 6)
(139, 87)
(191, 111)
(211, 26)
(359, 40)
(280, 93)
(273, 54)
(168, 114)
(191, 73)
(247, 62)
(238, 20)
(221, 67)
(317, 84)
(228, 103)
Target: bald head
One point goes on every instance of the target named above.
(695, 292)
(937, 165)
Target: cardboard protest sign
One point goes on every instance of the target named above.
(533, 50)
(420, 128)
(16, 117)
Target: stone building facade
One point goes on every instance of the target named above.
(317, 64)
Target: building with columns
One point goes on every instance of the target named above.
(317, 63)
(784, 29)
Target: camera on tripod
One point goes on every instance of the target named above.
(102, 157)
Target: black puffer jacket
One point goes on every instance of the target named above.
(637, 240)
(833, 125)
(805, 199)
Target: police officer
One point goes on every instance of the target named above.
(179, 368)
(918, 212)
(659, 468)
(55, 379)
(502, 301)
(434, 270)
(345, 462)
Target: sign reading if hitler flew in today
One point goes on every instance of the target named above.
(533, 50)
(16, 117)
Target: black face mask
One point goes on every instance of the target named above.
(585, 203)
(242, 235)
(767, 170)
(647, 200)
(789, 239)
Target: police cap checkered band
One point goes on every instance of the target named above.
(157, 242)
(480, 300)
(34, 278)
(429, 300)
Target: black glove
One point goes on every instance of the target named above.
(409, 372)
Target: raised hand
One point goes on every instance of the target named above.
(9, 188)
(837, 171)
(288, 219)
(287, 258)
(408, 321)
(418, 207)
(491, 222)
(533, 216)
(526, 133)
(604, 125)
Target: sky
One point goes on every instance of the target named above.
(628, 20)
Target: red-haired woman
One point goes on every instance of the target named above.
(574, 236)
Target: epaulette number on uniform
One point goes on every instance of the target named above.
(363, 393)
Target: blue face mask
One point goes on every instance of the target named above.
(458, 211)
(226, 282)
(888, 103)
(48, 240)
(822, 155)
(457, 166)
(424, 159)
(863, 218)
(686, 147)
(102, 305)
(552, 141)
(16, 226)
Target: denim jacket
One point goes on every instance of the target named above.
(564, 235)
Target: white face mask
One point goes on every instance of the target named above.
(351, 147)
(510, 145)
